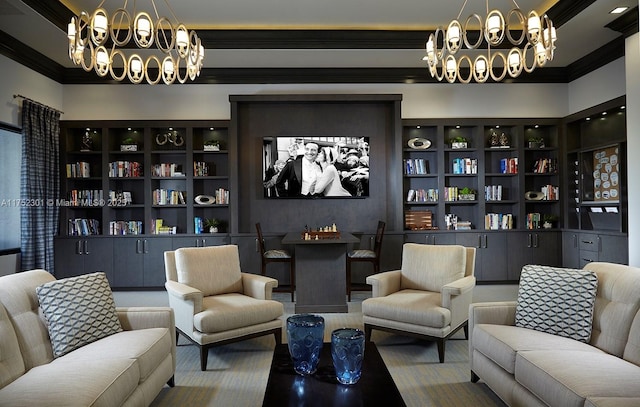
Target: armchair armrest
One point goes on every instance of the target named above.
(386, 283)
(184, 292)
(257, 286)
(456, 288)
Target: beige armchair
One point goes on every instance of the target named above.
(214, 302)
(428, 298)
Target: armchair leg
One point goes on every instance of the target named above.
(367, 333)
(441, 350)
(278, 335)
(204, 356)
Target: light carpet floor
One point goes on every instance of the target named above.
(237, 373)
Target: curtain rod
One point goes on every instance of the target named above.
(36, 102)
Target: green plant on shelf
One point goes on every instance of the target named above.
(129, 141)
(212, 224)
(466, 194)
(549, 220)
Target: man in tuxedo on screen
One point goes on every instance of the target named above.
(299, 175)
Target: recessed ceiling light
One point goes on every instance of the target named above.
(618, 10)
(588, 118)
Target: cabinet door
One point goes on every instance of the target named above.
(570, 250)
(545, 249)
(494, 257)
(69, 257)
(77, 256)
(153, 253)
(519, 247)
(98, 256)
(613, 249)
(128, 262)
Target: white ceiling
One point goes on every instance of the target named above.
(578, 37)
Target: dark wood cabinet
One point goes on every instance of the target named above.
(531, 247)
(81, 255)
(491, 256)
(139, 261)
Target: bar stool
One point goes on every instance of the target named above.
(366, 255)
(276, 256)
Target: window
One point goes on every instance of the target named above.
(10, 163)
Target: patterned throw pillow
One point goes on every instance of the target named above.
(558, 301)
(78, 310)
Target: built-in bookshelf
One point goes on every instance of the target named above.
(477, 172)
(119, 176)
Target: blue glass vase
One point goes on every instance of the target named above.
(305, 333)
(347, 352)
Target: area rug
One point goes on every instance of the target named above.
(237, 373)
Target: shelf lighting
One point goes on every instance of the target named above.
(89, 35)
(537, 34)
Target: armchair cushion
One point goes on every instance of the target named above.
(429, 267)
(212, 270)
(78, 310)
(230, 311)
(414, 307)
(558, 301)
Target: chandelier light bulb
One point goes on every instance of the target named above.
(504, 46)
(102, 59)
(102, 41)
(71, 30)
(144, 27)
(100, 23)
(136, 66)
(493, 25)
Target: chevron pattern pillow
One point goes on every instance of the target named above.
(78, 310)
(558, 301)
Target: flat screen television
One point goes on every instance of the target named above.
(315, 167)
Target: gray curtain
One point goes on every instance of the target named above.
(39, 185)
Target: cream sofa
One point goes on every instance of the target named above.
(525, 367)
(128, 368)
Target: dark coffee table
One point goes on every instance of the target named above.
(286, 388)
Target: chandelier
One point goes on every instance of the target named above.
(97, 42)
(537, 34)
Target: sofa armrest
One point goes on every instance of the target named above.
(386, 283)
(257, 286)
(496, 313)
(133, 318)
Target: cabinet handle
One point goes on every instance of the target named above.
(145, 246)
(204, 243)
(529, 240)
(86, 247)
(257, 249)
(575, 240)
(587, 242)
(486, 241)
(599, 244)
(138, 250)
(79, 247)
(479, 241)
(535, 240)
(588, 260)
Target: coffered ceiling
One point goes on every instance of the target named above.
(304, 41)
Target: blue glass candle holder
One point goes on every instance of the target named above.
(347, 352)
(305, 333)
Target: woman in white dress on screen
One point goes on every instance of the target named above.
(329, 183)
